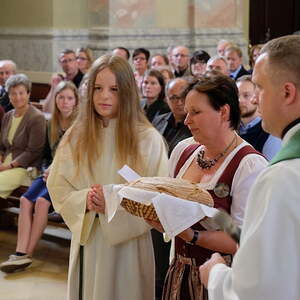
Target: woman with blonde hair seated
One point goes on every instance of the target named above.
(108, 260)
(35, 203)
(84, 57)
(22, 137)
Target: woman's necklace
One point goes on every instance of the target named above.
(208, 163)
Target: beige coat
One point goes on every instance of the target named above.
(118, 256)
(28, 143)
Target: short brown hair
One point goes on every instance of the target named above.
(283, 53)
(64, 52)
(220, 90)
(235, 49)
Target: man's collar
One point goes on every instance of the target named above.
(245, 127)
(234, 74)
(180, 72)
(289, 126)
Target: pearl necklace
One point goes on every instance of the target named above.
(208, 163)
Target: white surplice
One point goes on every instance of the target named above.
(118, 256)
(267, 264)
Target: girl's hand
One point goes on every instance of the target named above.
(95, 199)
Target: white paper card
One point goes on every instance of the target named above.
(128, 174)
(110, 191)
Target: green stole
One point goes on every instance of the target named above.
(290, 150)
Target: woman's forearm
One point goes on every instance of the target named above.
(218, 241)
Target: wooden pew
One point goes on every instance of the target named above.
(39, 91)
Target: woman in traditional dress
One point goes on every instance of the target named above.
(35, 203)
(107, 260)
(22, 137)
(221, 162)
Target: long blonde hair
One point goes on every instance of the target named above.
(130, 120)
(56, 115)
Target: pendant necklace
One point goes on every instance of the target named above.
(208, 163)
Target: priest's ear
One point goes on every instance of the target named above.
(289, 92)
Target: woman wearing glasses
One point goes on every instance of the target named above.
(84, 57)
(171, 125)
(140, 58)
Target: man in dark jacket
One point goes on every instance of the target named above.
(68, 63)
(234, 57)
(171, 124)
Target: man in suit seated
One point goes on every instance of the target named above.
(234, 57)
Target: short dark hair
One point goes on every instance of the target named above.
(220, 90)
(143, 51)
(124, 49)
(199, 56)
(155, 73)
(66, 51)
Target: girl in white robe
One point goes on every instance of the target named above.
(116, 258)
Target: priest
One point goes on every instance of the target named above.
(267, 263)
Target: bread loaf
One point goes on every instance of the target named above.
(172, 186)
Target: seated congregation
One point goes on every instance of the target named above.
(197, 111)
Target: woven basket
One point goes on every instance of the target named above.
(171, 186)
(140, 210)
